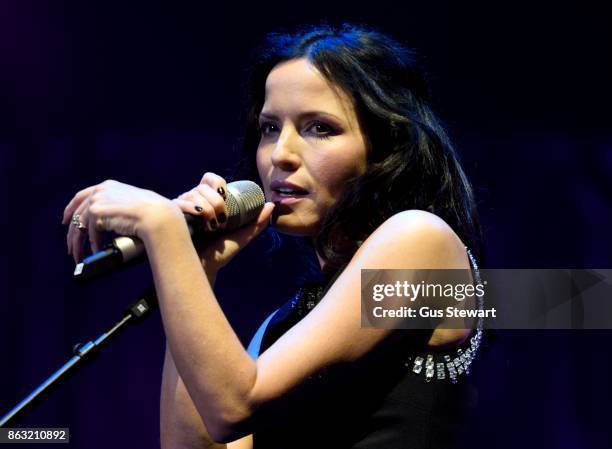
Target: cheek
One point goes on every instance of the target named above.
(335, 172)
(263, 163)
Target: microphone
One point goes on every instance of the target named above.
(244, 201)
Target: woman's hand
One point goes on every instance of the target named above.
(207, 200)
(118, 207)
(128, 210)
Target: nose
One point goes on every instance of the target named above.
(285, 154)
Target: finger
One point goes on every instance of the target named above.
(93, 229)
(75, 202)
(216, 182)
(199, 203)
(190, 208)
(191, 205)
(193, 202)
(263, 219)
(217, 202)
(202, 206)
(187, 206)
(83, 237)
(76, 237)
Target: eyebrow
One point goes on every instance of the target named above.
(303, 115)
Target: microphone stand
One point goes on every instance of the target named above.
(141, 308)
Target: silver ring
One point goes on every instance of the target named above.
(76, 221)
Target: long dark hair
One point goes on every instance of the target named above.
(411, 163)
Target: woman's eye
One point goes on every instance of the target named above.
(267, 128)
(321, 130)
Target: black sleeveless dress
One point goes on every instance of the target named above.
(385, 400)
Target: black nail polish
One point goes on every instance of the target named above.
(198, 208)
(213, 223)
(222, 217)
(221, 191)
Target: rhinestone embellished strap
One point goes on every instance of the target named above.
(451, 366)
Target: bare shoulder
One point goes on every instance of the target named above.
(416, 239)
(331, 333)
(413, 239)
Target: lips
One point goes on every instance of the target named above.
(284, 189)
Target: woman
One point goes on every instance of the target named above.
(341, 137)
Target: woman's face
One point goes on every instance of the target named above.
(311, 144)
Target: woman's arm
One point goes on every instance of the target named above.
(211, 360)
(181, 425)
(227, 386)
(128, 210)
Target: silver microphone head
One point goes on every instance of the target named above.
(244, 202)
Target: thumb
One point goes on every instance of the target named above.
(245, 234)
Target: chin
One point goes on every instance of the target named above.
(289, 225)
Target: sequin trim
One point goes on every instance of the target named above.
(451, 366)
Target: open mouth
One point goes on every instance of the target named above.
(286, 192)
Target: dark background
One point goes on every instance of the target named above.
(150, 95)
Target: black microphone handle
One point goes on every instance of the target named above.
(125, 251)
